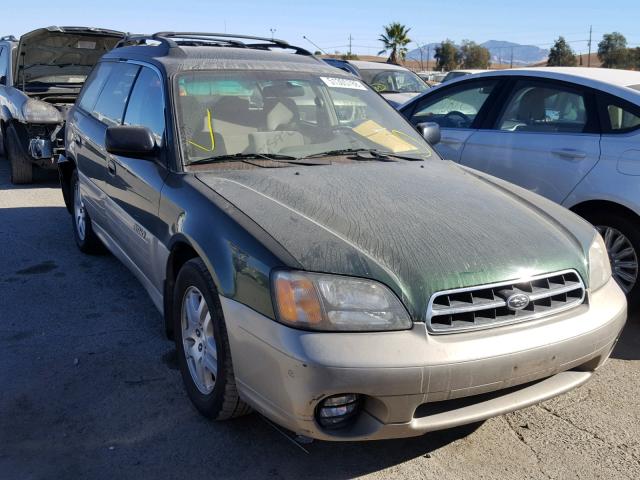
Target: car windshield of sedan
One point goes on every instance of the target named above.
(394, 81)
(287, 115)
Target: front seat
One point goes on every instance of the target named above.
(531, 110)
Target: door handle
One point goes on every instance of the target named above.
(111, 167)
(569, 153)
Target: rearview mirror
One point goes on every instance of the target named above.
(130, 141)
(430, 131)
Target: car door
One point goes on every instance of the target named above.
(621, 133)
(458, 109)
(100, 104)
(134, 185)
(545, 137)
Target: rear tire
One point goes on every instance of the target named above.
(202, 344)
(3, 150)
(21, 166)
(83, 233)
(622, 238)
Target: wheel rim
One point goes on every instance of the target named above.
(622, 255)
(198, 340)
(79, 212)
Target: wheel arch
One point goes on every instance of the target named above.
(585, 208)
(65, 170)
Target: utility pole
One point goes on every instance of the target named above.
(511, 63)
(428, 55)
(589, 56)
(350, 39)
(272, 30)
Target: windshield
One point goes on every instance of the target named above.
(287, 113)
(394, 81)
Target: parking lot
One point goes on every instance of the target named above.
(90, 388)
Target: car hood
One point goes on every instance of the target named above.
(419, 227)
(62, 54)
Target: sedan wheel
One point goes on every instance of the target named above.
(198, 340)
(79, 212)
(622, 255)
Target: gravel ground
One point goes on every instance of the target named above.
(89, 389)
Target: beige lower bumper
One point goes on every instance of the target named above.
(414, 382)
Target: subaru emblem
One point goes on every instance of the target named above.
(517, 301)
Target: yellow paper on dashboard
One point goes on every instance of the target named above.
(380, 135)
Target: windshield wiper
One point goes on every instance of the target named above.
(241, 157)
(375, 154)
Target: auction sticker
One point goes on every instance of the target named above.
(334, 82)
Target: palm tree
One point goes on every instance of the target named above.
(395, 39)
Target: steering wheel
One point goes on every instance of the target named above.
(456, 113)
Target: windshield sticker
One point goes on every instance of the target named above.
(380, 135)
(352, 84)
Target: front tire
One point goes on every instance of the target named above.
(86, 239)
(204, 355)
(21, 166)
(621, 235)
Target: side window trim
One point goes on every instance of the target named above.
(592, 125)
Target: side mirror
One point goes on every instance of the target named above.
(430, 131)
(130, 141)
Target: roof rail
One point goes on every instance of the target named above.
(9, 38)
(177, 39)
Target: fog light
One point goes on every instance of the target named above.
(338, 411)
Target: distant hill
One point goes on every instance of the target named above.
(501, 52)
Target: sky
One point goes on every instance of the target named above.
(329, 23)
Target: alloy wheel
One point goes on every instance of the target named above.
(79, 212)
(198, 340)
(622, 255)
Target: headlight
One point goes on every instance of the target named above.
(599, 266)
(334, 303)
(37, 111)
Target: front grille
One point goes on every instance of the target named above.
(486, 306)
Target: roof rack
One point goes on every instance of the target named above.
(9, 38)
(196, 39)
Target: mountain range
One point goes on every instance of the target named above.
(500, 50)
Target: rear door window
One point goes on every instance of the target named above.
(621, 119)
(146, 105)
(536, 106)
(112, 100)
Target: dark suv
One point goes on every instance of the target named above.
(41, 75)
(313, 257)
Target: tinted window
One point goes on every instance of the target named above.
(93, 85)
(540, 108)
(146, 105)
(457, 109)
(3, 61)
(621, 119)
(113, 98)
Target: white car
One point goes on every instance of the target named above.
(395, 83)
(569, 134)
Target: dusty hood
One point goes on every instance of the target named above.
(62, 54)
(419, 227)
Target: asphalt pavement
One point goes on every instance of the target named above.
(89, 388)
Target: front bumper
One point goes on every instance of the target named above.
(414, 382)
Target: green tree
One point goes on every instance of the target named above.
(395, 40)
(634, 54)
(561, 54)
(447, 56)
(612, 51)
(473, 55)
